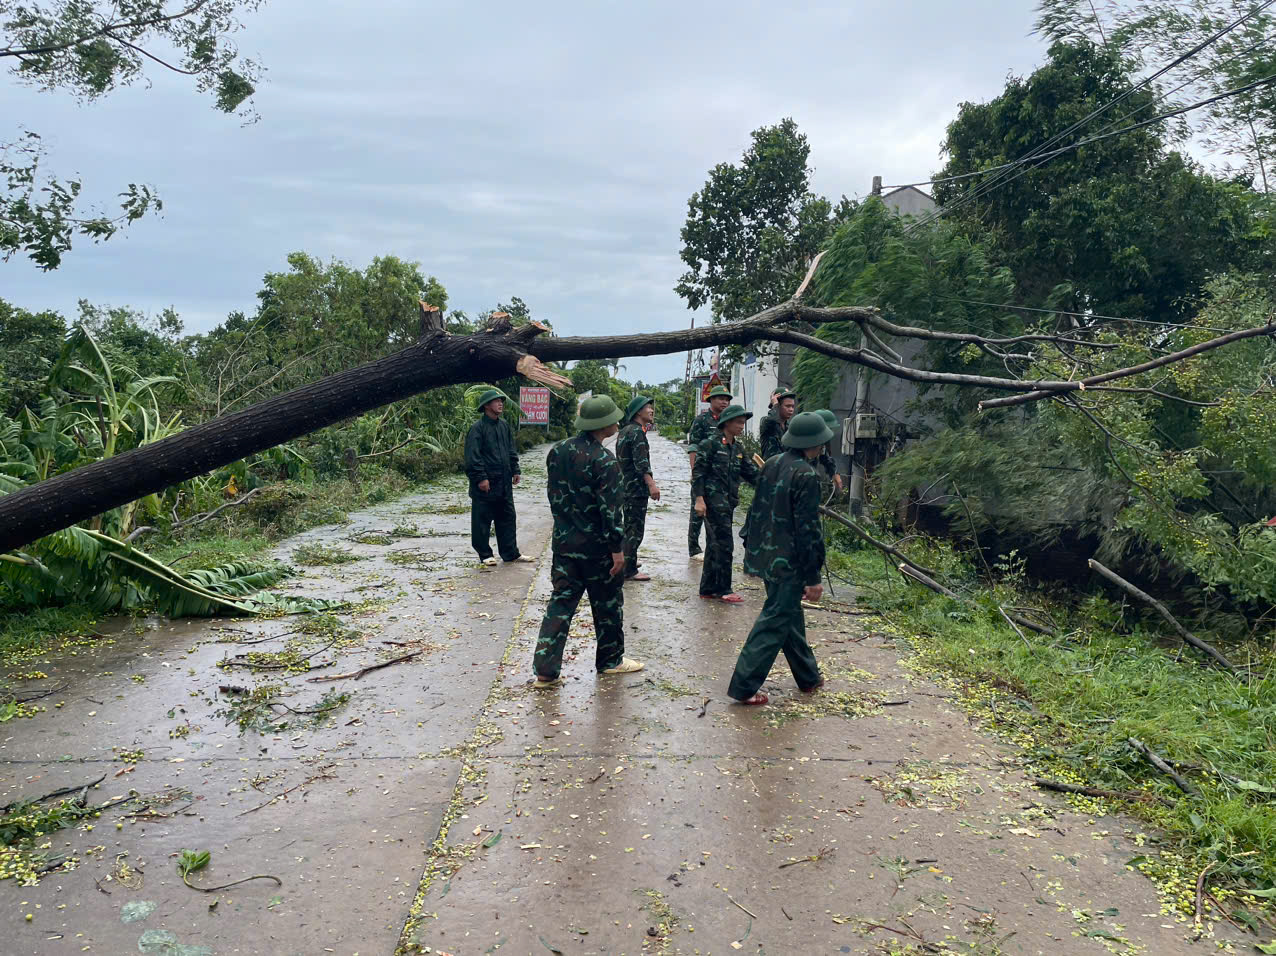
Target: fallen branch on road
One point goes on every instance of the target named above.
(355, 675)
(1131, 796)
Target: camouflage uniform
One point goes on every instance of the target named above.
(704, 426)
(784, 544)
(770, 432)
(584, 495)
(635, 464)
(719, 469)
(491, 456)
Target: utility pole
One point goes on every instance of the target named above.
(861, 402)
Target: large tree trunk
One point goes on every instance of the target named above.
(441, 359)
(80, 494)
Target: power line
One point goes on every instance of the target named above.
(1164, 96)
(1036, 152)
(1101, 136)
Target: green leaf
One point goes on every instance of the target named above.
(494, 839)
(1251, 785)
(1268, 948)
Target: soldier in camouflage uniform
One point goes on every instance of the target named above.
(705, 426)
(491, 462)
(634, 455)
(776, 422)
(715, 484)
(784, 544)
(827, 465)
(584, 496)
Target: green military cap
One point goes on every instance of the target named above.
(636, 404)
(719, 391)
(829, 418)
(491, 395)
(785, 394)
(597, 412)
(733, 411)
(806, 430)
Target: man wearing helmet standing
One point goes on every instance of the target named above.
(826, 462)
(776, 423)
(634, 454)
(705, 426)
(784, 545)
(584, 487)
(491, 462)
(715, 485)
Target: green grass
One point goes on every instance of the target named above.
(26, 635)
(1072, 701)
(317, 554)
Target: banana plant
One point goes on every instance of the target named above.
(99, 400)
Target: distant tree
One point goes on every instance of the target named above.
(754, 227)
(29, 345)
(1122, 226)
(1151, 34)
(88, 49)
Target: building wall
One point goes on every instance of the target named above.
(909, 201)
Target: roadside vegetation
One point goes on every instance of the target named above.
(112, 380)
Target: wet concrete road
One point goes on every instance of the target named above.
(449, 807)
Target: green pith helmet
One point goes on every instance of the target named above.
(596, 413)
(718, 391)
(733, 411)
(806, 430)
(636, 404)
(829, 419)
(491, 395)
(785, 393)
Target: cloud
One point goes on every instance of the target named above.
(543, 150)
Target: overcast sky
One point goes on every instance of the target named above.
(541, 150)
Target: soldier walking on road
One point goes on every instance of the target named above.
(776, 423)
(704, 426)
(584, 496)
(491, 462)
(715, 486)
(784, 544)
(634, 455)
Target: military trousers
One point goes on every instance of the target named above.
(572, 577)
(780, 627)
(693, 530)
(715, 579)
(486, 510)
(635, 530)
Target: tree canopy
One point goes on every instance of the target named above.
(87, 49)
(752, 228)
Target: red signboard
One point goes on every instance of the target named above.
(533, 403)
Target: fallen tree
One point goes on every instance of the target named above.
(499, 351)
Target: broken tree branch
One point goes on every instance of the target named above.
(194, 519)
(78, 788)
(1157, 761)
(1161, 609)
(1046, 390)
(1129, 795)
(355, 675)
(880, 545)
